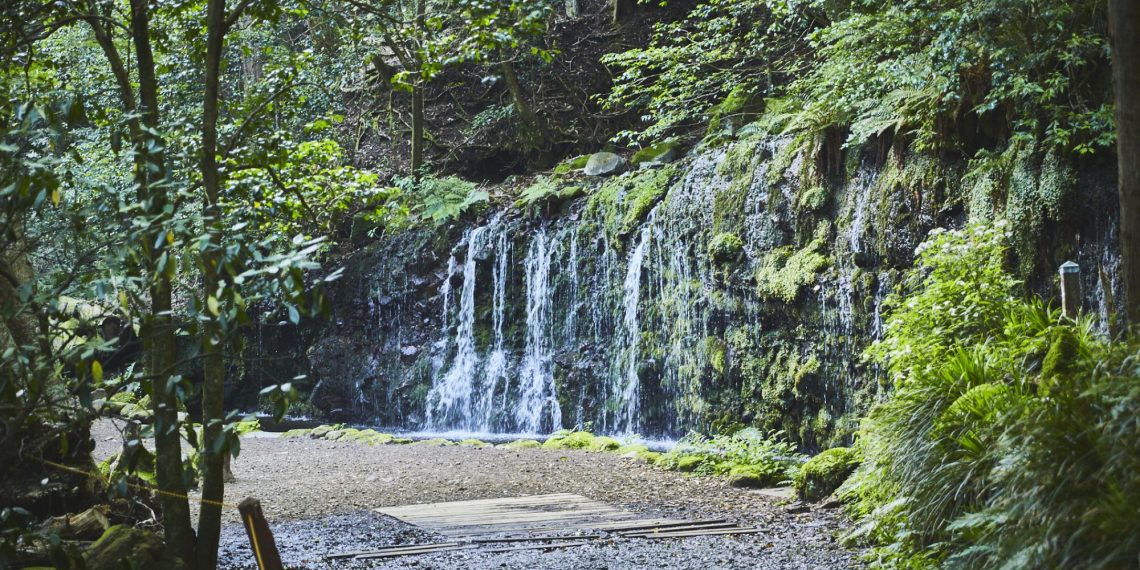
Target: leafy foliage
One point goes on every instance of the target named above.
(1010, 430)
(1018, 69)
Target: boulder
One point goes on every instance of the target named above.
(605, 164)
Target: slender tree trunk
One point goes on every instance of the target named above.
(417, 128)
(1124, 21)
(526, 113)
(179, 533)
(15, 270)
(418, 99)
(213, 365)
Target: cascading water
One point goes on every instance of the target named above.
(538, 407)
(451, 402)
(629, 382)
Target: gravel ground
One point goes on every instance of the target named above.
(317, 494)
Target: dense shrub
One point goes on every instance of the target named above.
(992, 452)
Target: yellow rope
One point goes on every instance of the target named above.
(137, 486)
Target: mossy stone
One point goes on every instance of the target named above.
(576, 440)
(821, 475)
(320, 431)
(751, 477)
(435, 441)
(295, 433)
(521, 444)
(603, 443)
(632, 449)
(689, 463)
(660, 153)
(476, 443)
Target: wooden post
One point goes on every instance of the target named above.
(1070, 289)
(260, 537)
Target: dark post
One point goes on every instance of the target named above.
(260, 538)
(1070, 289)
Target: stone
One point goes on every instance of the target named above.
(605, 164)
(655, 155)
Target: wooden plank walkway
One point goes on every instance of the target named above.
(519, 515)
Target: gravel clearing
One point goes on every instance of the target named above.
(317, 496)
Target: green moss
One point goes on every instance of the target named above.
(650, 457)
(784, 271)
(574, 440)
(729, 112)
(688, 463)
(603, 443)
(632, 449)
(402, 440)
(812, 198)
(1061, 357)
(821, 475)
(295, 433)
(476, 443)
(725, 247)
(521, 444)
(435, 441)
(753, 476)
(654, 152)
(321, 431)
(715, 351)
(572, 164)
(623, 202)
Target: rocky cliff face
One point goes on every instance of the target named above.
(737, 285)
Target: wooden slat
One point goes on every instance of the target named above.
(687, 533)
(534, 538)
(537, 547)
(356, 553)
(660, 523)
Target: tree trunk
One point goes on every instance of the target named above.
(213, 365)
(151, 174)
(529, 118)
(418, 99)
(1124, 22)
(417, 128)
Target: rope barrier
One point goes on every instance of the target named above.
(139, 487)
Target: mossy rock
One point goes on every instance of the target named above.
(688, 463)
(436, 441)
(752, 477)
(575, 440)
(603, 443)
(476, 443)
(725, 248)
(295, 433)
(824, 473)
(320, 431)
(123, 546)
(650, 457)
(401, 440)
(632, 449)
(660, 153)
(521, 444)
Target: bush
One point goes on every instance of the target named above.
(821, 475)
(1011, 438)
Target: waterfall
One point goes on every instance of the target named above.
(450, 401)
(496, 373)
(628, 414)
(538, 408)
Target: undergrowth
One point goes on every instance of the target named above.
(1012, 437)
